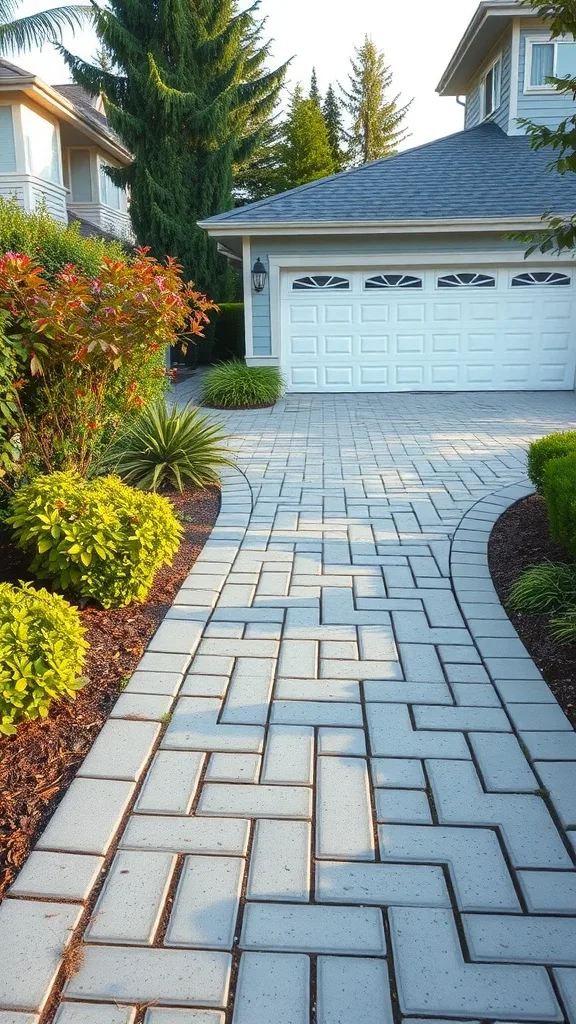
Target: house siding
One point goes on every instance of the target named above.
(501, 116)
(354, 245)
(544, 108)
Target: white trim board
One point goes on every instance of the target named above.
(496, 225)
(323, 261)
(247, 287)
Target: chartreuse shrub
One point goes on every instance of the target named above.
(234, 385)
(559, 488)
(540, 453)
(42, 649)
(98, 538)
(171, 446)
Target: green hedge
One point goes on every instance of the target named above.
(229, 338)
(559, 486)
(554, 446)
(50, 244)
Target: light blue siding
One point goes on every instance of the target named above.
(474, 98)
(544, 108)
(355, 245)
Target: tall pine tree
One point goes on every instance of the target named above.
(377, 120)
(332, 111)
(305, 149)
(189, 97)
(314, 90)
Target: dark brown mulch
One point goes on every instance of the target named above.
(39, 762)
(520, 540)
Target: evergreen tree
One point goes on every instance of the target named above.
(377, 120)
(332, 111)
(314, 90)
(188, 97)
(305, 149)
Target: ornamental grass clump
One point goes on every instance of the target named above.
(171, 447)
(97, 539)
(234, 385)
(42, 651)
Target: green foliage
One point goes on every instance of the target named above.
(234, 385)
(11, 363)
(563, 627)
(188, 95)
(554, 446)
(42, 649)
(50, 244)
(229, 340)
(559, 234)
(559, 488)
(97, 538)
(377, 120)
(40, 28)
(304, 153)
(314, 93)
(332, 111)
(549, 587)
(171, 447)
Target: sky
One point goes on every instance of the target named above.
(418, 38)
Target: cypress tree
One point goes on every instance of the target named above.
(188, 96)
(305, 150)
(314, 90)
(332, 111)
(377, 120)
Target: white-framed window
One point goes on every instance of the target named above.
(545, 59)
(41, 145)
(80, 176)
(7, 143)
(491, 88)
(392, 281)
(316, 281)
(541, 278)
(110, 194)
(467, 280)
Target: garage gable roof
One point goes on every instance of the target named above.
(477, 173)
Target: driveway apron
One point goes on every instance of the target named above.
(337, 789)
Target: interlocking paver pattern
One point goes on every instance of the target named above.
(356, 811)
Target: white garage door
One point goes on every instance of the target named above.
(430, 330)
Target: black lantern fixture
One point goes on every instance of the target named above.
(259, 276)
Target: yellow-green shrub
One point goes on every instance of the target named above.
(559, 488)
(97, 538)
(42, 651)
(540, 453)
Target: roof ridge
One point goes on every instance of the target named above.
(229, 214)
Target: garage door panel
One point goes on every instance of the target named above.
(394, 340)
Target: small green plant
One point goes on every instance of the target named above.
(170, 447)
(559, 488)
(548, 587)
(234, 385)
(563, 627)
(99, 539)
(42, 651)
(540, 453)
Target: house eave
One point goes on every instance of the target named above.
(229, 229)
(57, 105)
(491, 20)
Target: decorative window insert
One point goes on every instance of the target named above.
(467, 281)
(492, 88)
(545, 60)
(540, 277)
(392, 281)
(316, 281)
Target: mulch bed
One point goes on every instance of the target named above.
(520, 540)
(37, 764)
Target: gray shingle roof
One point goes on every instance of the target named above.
(481, 172)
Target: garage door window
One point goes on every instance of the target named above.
(321, 281)
(467, 281)
(540, 277)
(392, 281)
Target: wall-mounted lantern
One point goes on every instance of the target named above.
(259, 276)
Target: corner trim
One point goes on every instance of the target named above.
(247, 287)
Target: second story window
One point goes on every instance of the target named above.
(110, 194)
(491, 88)
(545, 60)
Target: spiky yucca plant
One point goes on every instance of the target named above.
(234, 385)
(170, 446)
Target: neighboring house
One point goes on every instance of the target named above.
(55, 142)
(397, 276)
